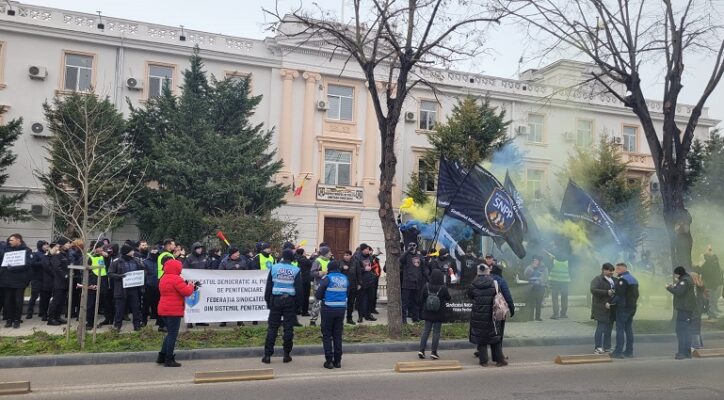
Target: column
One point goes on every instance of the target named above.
(285, 123)
(371, 150)
(308, 135)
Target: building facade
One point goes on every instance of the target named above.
(325, 125)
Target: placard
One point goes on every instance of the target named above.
(14, 258)
(226, 296)
(133, 279)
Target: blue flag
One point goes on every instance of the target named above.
(579, 205)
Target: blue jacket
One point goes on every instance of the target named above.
(333, 291)
(627, 292)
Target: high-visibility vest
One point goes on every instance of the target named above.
(559, 272)
(283, 276)
(98, 261)
(323, 263)
(336, 294)
(160, 264)
(265, 262)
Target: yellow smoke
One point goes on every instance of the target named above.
(574, 232)
(422, 213)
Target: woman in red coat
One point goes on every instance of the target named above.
(173, 290)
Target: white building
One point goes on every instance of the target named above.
(326, 129)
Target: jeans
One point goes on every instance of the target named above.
(435, 327)
(332, 328)
(282, 310)
(559, 289)
(624, 327)
(13, 304)
(683, 335)
(169, 341)
(535, 299)
(602, 337)
(410, 304)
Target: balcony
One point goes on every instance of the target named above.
(346, 194)
(639, 161)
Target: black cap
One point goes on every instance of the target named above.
(288, 255)
(680, 270)
(62, 241)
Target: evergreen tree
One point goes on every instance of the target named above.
(9, 133)
(694, 165)
(603, 174)
(709, 183)
(204, 156)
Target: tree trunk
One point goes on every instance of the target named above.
(84, 292)
(678, 224)
(390, 228)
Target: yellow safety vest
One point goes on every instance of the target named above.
(98, 261)
(265, 262)
(160, 265)
(323, 263)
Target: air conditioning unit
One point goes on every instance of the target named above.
(569, 136)
(322, 105)
(134, 84)
(38, 129)
(37, 72)
(521, 130)
(409, 116)
(618, 139)
(39, 210)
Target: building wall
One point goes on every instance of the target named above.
(293, 80)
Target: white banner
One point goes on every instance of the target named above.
(226, 296)
(133, 279)
(14, 259)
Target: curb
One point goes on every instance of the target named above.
(306, 350)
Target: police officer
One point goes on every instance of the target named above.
(283, 295)
(264, 260)
(332, 292)
(98, 281)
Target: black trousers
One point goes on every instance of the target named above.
(132, 300)
(105, 305)
(13, 304)
(304, 309)
(44, 305)
(366, 298)
(56, 305)
(149, 305)
(352, 294)
(282, 311)
(35, 288)
(410, 304)
(373, 300)
(496, 351)
(332, 328)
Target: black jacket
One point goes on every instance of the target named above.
(37, 264)
(228, 264)
(599, 298)
(684, 294)
(298, 290)
(59, 266)
(362, 263)
(352, 272)
(17, 277)
(444, 265)
(483, 330)
(627, 292)
(442, 294)
(195, 261)
(47, 272)
(305, 266)
(118, 268)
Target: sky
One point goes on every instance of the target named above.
(506, 43)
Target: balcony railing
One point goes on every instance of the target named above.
(639, 161)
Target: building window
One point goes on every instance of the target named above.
(425, 176)
(340, 101)
(428, 115)
(337, 167)
(78, 72)
(535, 128)
(534, 183)
(159, 77)
(584, 132)
(629, 139)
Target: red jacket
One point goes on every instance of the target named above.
(173, 290)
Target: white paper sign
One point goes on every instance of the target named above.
(14, 258)
(226, 296)
(133, 279)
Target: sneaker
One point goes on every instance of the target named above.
(599, 350)
(421, 355)
(360, 320)
(483, 363)
(434, 356)
(171, 362)
(608, 350)
(328, 365)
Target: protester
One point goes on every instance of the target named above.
(47, 288)
(559, 278)
(283, 295)
(319, 269)
(263, 260)
(125, 296)
(169, 247)
(496, 272)
(14, 278)
(414, 278)
(171, 307)
(603, 289)
(198, 259)
(98, 283)
(377, 272)
(234, 262)
(363, 263)
(59, 263)
(354, 276)
(214, 258)
(332, 292)
(484, 330)
(701, 307)
(305, 266)
(537, 276)
(151, 294)
(36, 280)
(434, 298)
(625, 298)
(711, 274)
(685, 305)
(444, 263)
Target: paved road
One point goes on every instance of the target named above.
(653, 374)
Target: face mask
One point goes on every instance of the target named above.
(266, 252)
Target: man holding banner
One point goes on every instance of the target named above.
(127, 274)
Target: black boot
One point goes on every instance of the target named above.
(171, 362)
(350, 321)
(328, 365)
(287, 358)
(161, 359)
(266, 359)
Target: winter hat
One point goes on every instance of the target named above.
(265, 245)
(125, 249)
(324, 251)
(679, 270)
(288, 255)
(233, 250)
(333, 266)
(437, 277)
(288, 245)
(62, 241)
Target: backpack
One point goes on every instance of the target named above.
(432, 303)
(500, 306)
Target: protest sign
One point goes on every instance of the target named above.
(226, 296)
(133, 279)
(14, 259)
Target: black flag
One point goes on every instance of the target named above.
(579, 205)
(531, 229)
(477, 198)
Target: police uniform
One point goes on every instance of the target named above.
(283, 296)
(99, 277)
(332, 292)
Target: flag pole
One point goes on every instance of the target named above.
(457, 191)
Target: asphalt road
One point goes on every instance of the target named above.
(653, 374)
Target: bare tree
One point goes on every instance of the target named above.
(619, 37)
(89, 181)
(390, 40)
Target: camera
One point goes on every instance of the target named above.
(197, 285)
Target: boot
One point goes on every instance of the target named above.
(328, 365)
(171, 362)
(54, 322)
(29, 316)
(161, 359)
(266, 359)
(337, 364)
(350, 321)
(287, 358)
